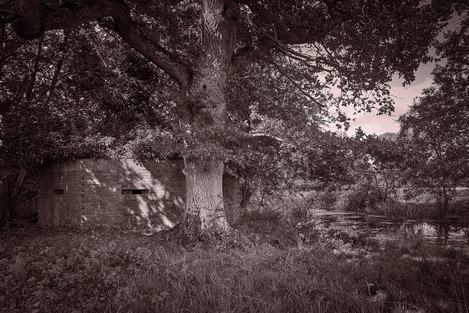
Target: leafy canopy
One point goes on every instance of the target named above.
(437, 124)
(289, 58)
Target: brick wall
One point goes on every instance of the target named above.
(118, 192)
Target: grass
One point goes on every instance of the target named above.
(258, 268)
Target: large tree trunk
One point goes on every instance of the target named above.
(205, 208)
(9, 189)
(204, 118)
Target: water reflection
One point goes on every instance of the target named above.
(446, 233)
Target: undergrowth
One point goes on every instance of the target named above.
(269, 264)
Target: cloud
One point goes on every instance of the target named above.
(404, 97)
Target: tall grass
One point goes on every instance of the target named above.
(114, 271)
(99, 273)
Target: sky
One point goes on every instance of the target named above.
(403, 98)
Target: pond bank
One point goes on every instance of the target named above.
(445, 233)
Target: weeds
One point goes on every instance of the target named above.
(259, 268)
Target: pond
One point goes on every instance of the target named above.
(443, 233)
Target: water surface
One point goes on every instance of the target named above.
(443, 233)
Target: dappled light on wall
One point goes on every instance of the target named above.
(149, 194)
(113, 192)
(149, 190)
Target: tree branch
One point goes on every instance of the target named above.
(71, 15)
(135, 37)
(294, 83)
(291, 53)
(32, 80)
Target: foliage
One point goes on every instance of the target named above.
(81, 101)
(377, 168)
(436, 127)
(94, 271)
(341, 40)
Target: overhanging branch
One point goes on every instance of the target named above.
(314, 63)
(297, 86)
(72, 14)
(134, 36)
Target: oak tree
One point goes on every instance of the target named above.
(355, 45)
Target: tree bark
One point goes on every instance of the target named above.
(204, 117)
(4, 200)
(14, 191)
(9, 194)
(205, 210)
